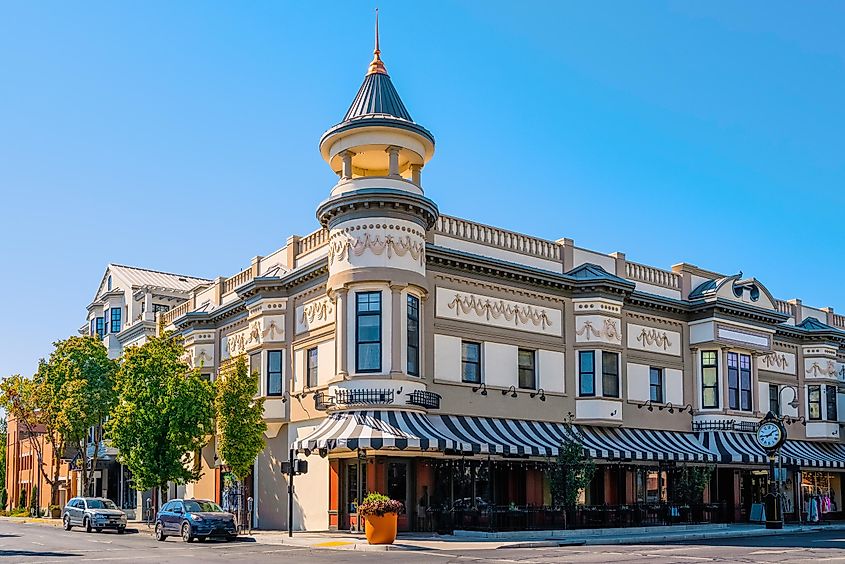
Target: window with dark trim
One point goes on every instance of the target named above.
(527, 369)
(655, 385)
(115, 320)
(101, 330)
(368, 332)
(832, 414)
(105, 321)
(413, 335)
(609, 374)
(470, 362)
(311, 367)
(774, 399)
(160, 308)
(274, 373)
(739, 381)
(108, 284)
(709, 380)
(93, 330)
(814, 402)
(586, 373)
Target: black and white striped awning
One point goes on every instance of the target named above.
(388, 429)
(743, 448)
(401, 430)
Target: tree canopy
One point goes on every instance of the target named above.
(240, 418)
(164, 414)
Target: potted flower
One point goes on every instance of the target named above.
(55, 512)
(380, 514)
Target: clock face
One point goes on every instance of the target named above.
(769, 435)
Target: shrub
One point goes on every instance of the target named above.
(33, 498)
(22, 499)
(4, 499)
(379, 504)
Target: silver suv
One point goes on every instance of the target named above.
(93, 513)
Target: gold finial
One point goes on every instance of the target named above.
(376, 66)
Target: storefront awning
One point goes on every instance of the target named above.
(387, 429)
(403, 430)
(743, 448)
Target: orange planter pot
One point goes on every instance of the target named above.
(380, 530)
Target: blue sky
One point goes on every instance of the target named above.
(182, 136)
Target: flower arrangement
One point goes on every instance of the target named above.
(379, 504)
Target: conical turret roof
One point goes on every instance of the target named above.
(377, 97)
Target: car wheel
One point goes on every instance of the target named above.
(87, 524)
(160, 536)
(186, 533)
(67, 524)
(121, 530)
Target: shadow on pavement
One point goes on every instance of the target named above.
(32, 553)
(813, 539)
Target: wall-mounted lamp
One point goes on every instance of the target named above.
(323, 452)
(541, 392)
(647, 404)
(482, 387)
(511, 391)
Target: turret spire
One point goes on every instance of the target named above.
(376, 66)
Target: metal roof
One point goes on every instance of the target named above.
(590, 271)
(377, 97)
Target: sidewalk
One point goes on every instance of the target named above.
(467, 540)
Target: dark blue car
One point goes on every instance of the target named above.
(194, 519)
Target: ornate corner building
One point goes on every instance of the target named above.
(443, 362)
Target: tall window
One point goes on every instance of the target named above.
(413, 335)
(709, 380)
(609, 374)
(586, 373)
(471, 362)
(93, 330)
(832, 414)
(99, 327)
(739, 381)
(311, 367)
(774, 399)
(255, 363)
(527, 370)
(274, 373)
(106, 321)
(655, 385)
(108, 284)
(115, 319)
(368, 332)
(814, 400)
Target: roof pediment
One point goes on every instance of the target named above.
(749, 291)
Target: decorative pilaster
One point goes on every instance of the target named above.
(341, 332)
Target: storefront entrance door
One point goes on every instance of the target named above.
(399, 488)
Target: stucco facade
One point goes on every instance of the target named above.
(392, 307)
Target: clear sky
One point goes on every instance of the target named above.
(182, 136)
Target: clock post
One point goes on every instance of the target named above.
(771, 435)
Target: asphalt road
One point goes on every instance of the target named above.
(44, 544)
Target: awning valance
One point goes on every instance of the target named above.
(743, 448)
(403, 430)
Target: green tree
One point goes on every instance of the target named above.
(571, 470)
(689, 483)
(32, 403)
(22, 499)
(240, 418)
(164, 413)
(4, 499)
(81, 379)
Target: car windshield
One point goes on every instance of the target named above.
(101, 504)
(195, 506)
